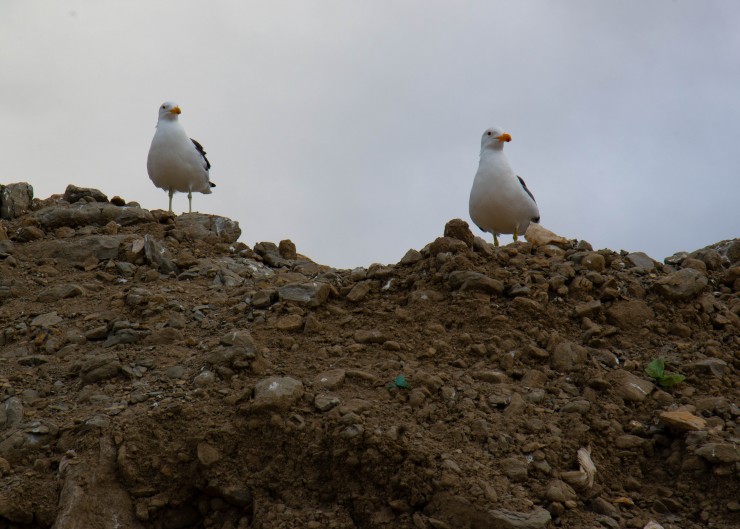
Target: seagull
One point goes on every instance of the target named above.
(500, 201)
(176, 162)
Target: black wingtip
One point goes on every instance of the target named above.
(214, 185)
(536, 220)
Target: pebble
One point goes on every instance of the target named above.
(276, 393)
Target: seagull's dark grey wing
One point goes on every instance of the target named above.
(524, 186)
(202, 152)
(521, 181)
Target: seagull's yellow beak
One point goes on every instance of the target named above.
(176, 110)
(504, 137)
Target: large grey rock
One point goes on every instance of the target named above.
(202, 226)
(640, 260)
(91, 213)
(683, 285)
(312, 293)
(79, 249)
(15, 200)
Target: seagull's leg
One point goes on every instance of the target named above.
(495, 239)
(190, 201)
(516, 233)
(172, 192)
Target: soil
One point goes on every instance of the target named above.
(161, 374)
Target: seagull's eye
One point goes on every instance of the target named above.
(489, 132)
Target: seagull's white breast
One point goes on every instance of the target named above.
(174, 163)
(498, 201)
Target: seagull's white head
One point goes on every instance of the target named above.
(494, 138)
(169, 111)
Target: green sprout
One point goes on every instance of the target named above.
(656, 370)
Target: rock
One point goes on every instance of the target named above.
(165, 336)
(560, 491)
(370, 336)
(630, 387)
(15, 200)
(683, 285)
(629, 314)
(469, 280)
(29, 233)
(540, 236)
(719, 452)
(238, 339)
(57, 292)
(359, 291)
(208, 454)
(204, 379)
(411, 257)
(588, 309)
(683, 420)
(90, 214)
(457, 511)
(102, 366)
(594, 261)
(79, 250)
(447, 245)
(515, 469)
(290, 323)
(568, 356)
(326, 402)
(312, 293)
(460, 230)
(333, 379)
(629, 442)
(158, 256)
(276, 393)
(50, 319)
(199, 226)
(287, 250)
(73, 194)
(715, 367)
(12, 411)
(640, 260)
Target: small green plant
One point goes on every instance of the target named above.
(656, 370)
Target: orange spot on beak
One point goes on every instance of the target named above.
(504, 137)
(177, 110)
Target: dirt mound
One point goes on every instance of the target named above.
(157, 373)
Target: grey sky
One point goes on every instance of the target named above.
(353, 127)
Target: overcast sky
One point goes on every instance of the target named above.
(353, 127)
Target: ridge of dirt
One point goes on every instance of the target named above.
(155, 372)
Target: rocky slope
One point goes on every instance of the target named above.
(157, 373)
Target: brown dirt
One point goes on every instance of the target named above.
(140, 404)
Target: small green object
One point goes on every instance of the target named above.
(656, 370)
(401, 382)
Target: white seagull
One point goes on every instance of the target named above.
(499, 200)
(176, 162)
